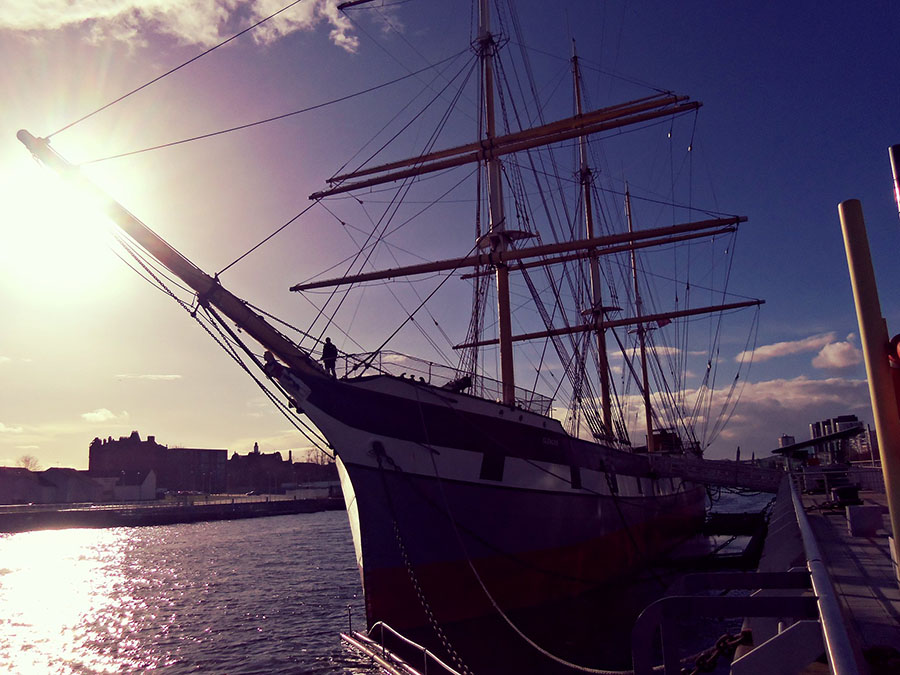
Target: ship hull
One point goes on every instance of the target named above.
(461, 550)
(462, 507)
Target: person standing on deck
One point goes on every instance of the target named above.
(329, 357)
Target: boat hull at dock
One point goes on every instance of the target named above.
(457, 548)
(465, 505)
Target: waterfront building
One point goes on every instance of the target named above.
(60, 485)
(864, 447)
(268, 472)
(834, 451)
(263, 472)
(785, 440)
(177, 469)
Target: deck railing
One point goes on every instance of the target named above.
(401, 365)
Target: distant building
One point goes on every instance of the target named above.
(864, 447)
(834, 452)
(784, 440)
(70, 486)
(21, 486)
(190, 469)
(269, 473)
(257, 471)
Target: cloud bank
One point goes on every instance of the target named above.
(779, 349)
(831, 353)
(190, 22)
(838, 355)
(768, 409)
(103, 415)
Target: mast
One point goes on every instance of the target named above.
(641, 331)
(497, 237)
(597, 309)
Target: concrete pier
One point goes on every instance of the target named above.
(863, 574)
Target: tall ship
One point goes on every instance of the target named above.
(468, 491)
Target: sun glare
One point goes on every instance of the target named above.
(55, 587)
(51, 237)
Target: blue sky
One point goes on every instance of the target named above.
(798, 113)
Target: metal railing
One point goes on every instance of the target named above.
(373, 644)
(838, 645)
(813, 618)
(401, 365)
(823, 479)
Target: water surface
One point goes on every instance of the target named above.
(266, 595)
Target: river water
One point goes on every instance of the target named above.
(266, 595)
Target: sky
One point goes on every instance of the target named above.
(797, 116)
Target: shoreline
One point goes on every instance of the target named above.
(140, 515)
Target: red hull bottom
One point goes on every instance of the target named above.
(403, 597)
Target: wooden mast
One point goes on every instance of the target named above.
(597, 311)
(645, 380)
(497, 236)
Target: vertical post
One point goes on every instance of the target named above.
(875, 344)
(894, 152)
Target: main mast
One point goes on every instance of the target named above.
(596, 310)
(497, 238)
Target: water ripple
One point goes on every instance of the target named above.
(243, 597)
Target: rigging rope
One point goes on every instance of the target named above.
(169, 72)
(388, 214)
(155, 279)
(267, 120)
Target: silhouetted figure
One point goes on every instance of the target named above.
(458, 385)
(329, 357)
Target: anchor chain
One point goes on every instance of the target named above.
(380, 455)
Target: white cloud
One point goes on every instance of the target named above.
(838, 355)
(768, 409)
(103, 415)
(198, 22)
(787, 406)
(4, 429)
(766, 352)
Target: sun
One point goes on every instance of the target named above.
(52, 239)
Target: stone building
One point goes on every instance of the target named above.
(177, 469)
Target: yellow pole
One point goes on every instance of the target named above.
(875, 344)
(894, 153)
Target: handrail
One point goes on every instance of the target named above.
(381, 625)
(838, 646)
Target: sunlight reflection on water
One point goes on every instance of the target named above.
(55, 585)
(260, 596)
